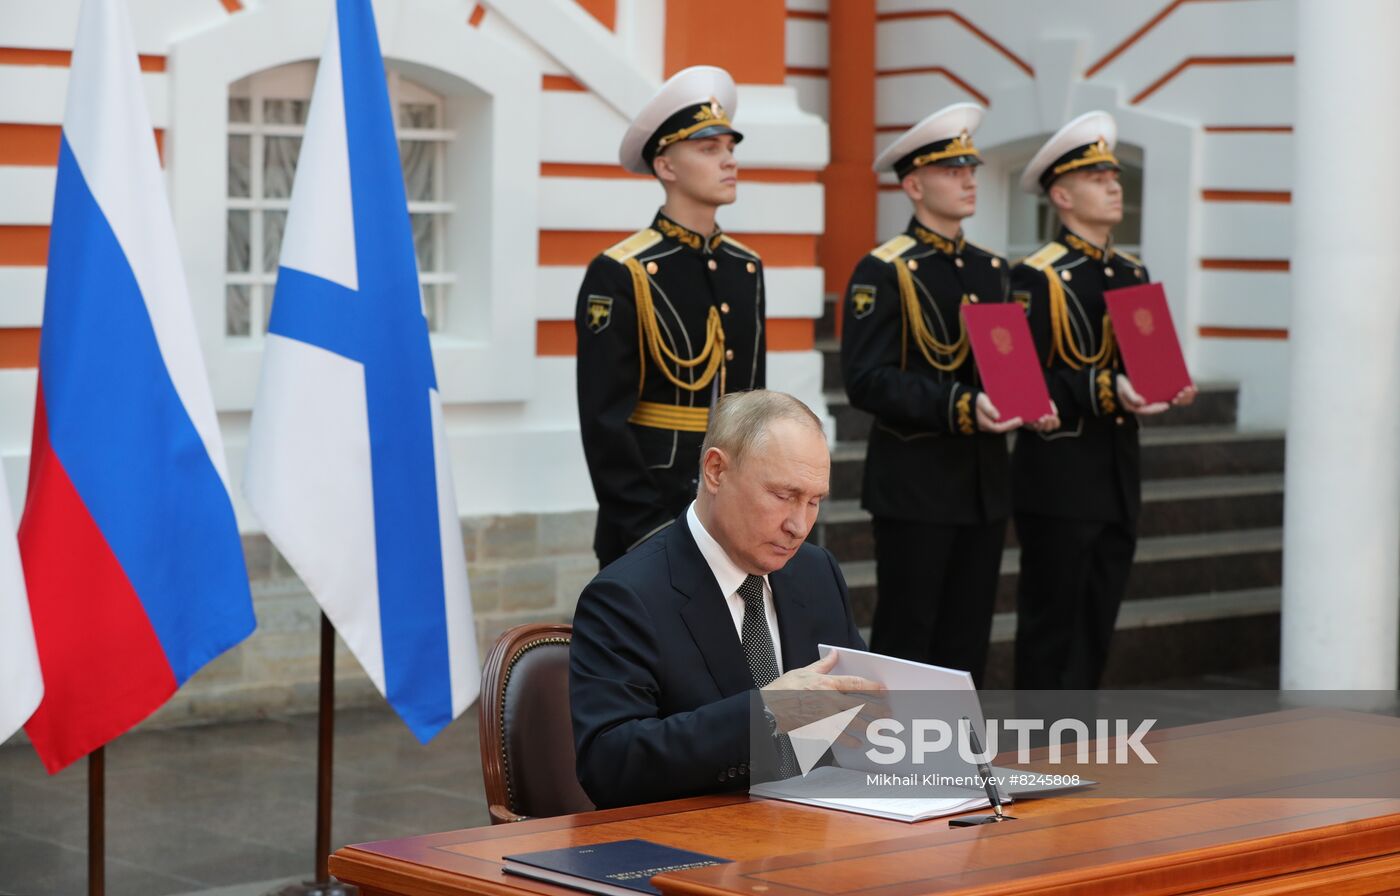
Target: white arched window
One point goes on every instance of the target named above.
(468, 108)
(266, 121)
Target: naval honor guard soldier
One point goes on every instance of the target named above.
(1077, 491)
(937, 477)
(669, 319)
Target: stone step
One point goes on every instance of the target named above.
(826, 324)
(847, 468)
(1226, 636)
(1211, 504)
(1176, 452)
(1209, 635)
(1179, 452)
(1216, 404)
(831, 364)
(1213, 410)
(1164, 611)
(852, 424)
(1166, 566)
(1170, 506)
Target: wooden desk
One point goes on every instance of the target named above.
(1276, 840)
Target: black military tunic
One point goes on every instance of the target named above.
(1077, 490)
(667, 321)
(938, 488)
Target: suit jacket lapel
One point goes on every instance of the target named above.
(706, 614)
(799, 642)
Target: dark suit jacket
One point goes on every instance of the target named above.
(658, 684)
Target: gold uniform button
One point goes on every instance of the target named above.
(713, 264)
(1064, 275)
(651, 267)
(724, 307)
(751, 267)
(1139, 273)
(972, 298)
(729, 354)
(996, 262)
(958, 262)
(913, 265)
(1108, 272)
(1118, 419)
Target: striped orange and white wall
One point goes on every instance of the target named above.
(596, 59)
(1221, 67)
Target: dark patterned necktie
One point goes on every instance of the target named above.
(763, 661)
(758, 642)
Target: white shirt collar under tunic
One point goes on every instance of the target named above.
(729, 577)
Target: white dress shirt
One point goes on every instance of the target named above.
(729, 577)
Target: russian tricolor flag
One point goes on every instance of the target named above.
(131, 554)
(348, 464)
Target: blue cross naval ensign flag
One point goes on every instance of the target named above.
(348, 465)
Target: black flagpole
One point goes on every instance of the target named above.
(97, 812)
(325, 741)
(323, 885)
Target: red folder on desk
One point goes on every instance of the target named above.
(1146, 336)
(1006, 359)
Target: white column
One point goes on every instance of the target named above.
(1341, 575)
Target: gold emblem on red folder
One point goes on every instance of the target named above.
(1001, 338)
(1142, 319)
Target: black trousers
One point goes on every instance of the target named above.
(937, 588)
(1073, 575)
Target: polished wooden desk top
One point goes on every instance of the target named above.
(1281, 839)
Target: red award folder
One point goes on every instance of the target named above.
(1142, 324)
(1007, 361)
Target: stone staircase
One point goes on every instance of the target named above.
(1203, 598)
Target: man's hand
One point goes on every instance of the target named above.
(1184, 397)
(989, 418)
(817, 677)
(1049, 423)
(1135, 403)
(800, 700)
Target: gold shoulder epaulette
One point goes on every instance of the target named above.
(894, 248)
(738, 245)
(1046, 256)
(634, 245)
(1132, 259)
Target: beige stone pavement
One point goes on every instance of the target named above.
(228, 809)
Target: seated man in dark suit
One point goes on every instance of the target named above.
(671, 639)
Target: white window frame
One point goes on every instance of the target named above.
(492, 91)
(295, 82)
